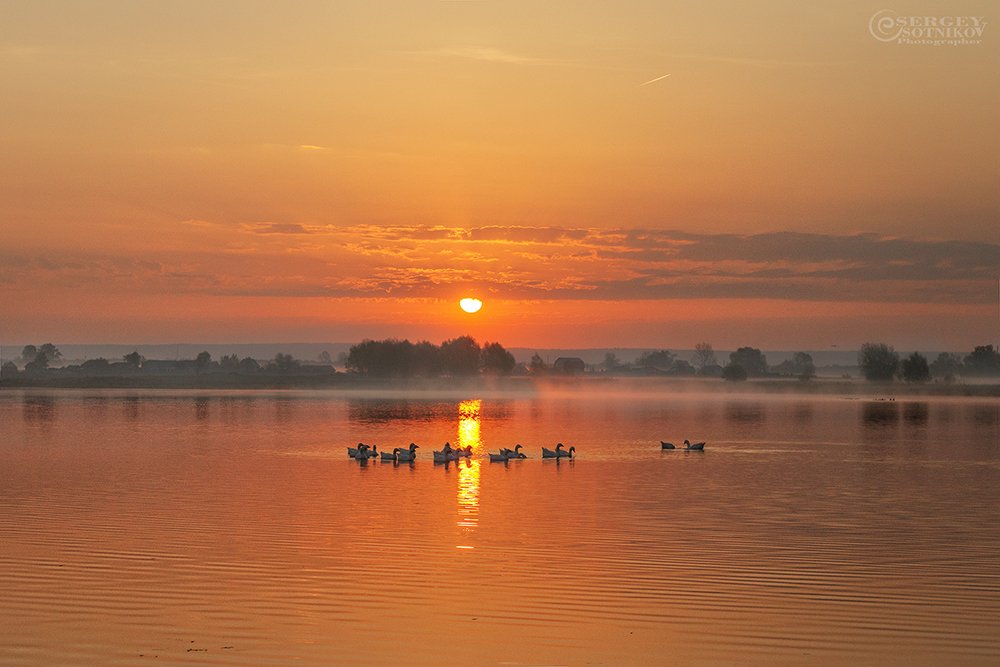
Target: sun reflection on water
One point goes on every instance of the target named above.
(468, 424)
(468, 472)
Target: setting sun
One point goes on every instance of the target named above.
(470, 305)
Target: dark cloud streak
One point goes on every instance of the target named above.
(364, 261)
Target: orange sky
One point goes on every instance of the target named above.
(243, 171)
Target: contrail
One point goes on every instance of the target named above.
(653, 80)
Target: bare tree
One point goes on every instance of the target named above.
(704, 355)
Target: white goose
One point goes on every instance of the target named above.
(515, 453)
(446, 454)
(407, 454)
(554, 454)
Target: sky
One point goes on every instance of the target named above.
(634, 174)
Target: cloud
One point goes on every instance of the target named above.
(526, 234)
(280, 228)
(520, 262)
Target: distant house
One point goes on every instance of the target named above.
(248, 365)
(569, 365)
(120, 368)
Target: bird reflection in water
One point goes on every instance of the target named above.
(468, 471)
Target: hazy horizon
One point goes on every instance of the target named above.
(310, 351)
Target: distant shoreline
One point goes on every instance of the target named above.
(526, 386)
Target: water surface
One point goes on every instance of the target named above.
(230, 528)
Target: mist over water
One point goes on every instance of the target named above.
(191, 527)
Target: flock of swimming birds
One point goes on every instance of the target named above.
(364, 453)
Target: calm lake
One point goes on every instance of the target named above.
(209, 528)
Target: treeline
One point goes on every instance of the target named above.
(746, 362)
(460, 356)
(38, 361)
(38, 358)
(877, 362)
(463, 356)
(881, 363)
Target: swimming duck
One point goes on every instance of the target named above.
(697, 446)
(390, 457)
(352, 452)
(667, 445)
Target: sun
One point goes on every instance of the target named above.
(470, 305)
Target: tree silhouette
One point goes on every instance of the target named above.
(284, 363)
(460, 356)
(751, 359)
(915, 368)
(202, 361)
(734, 373)
(40, 362)
(878, 361)
(660, 359)
(51, 352)
(682, 367)
(800, 365)
(381, 358)
(537, 365)
(28, 354)
(984, 360)
(946, 366)
(611, 362)
(425, 359)
(134, 359)
(229, 362)
(496, 360)
(704, 356)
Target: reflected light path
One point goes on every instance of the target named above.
(468, 472)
